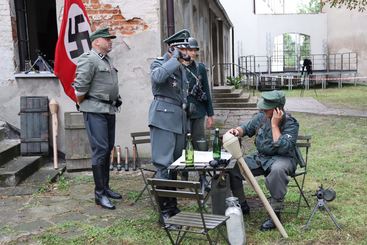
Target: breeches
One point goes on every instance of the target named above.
(101, 133)
(166, 148)
(197, 130)
(276, 177)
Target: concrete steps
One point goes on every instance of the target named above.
(18, 169)
(232, 99)
(22, 175)
(9, 148)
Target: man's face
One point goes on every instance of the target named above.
(183, 50)
(192, 52)
(268, 113)
(104, 44)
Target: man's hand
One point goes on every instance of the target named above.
(80, 99)
(275, 120)
(209, 122)
(277, 117)
(236, 131)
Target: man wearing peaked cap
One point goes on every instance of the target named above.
(178, 39)
(102, 32)
(275, 133)
(97, 91)
(167, 112)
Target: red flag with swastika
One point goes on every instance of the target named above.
(73, 41)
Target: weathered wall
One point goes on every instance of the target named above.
(347, 33)
(6, 43)
(138, 42)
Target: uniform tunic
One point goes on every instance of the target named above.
(96, 77)
(276, 160)
(167, 118)
(202, 108)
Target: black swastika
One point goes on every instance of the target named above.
(78, 36)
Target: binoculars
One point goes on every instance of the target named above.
(220, 162)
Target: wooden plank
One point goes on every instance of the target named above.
(34, 125)
(140, 134)
(77, 148)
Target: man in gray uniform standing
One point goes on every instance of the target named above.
(275, 134)
(167, 116)
(97, 92)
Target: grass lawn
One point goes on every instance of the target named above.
(337, 159)
(349, 97)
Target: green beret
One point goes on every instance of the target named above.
(271, 100)
(102, 32)
(179, 39)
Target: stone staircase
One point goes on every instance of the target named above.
(20, 175)
(229, 98)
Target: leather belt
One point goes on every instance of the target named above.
(168, 100)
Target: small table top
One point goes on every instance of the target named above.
(202, 159)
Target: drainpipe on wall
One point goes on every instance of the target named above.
(233, 65)
(170, 18)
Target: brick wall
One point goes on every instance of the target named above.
(101, 14)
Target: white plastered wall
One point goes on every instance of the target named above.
(347, 33)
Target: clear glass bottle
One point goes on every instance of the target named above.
(189, 151)
(216, 145)
(235, 224)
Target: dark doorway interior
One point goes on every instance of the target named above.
(37, 30)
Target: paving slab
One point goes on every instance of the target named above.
(311, 105)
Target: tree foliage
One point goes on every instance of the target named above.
(312, 7)
(360, 5)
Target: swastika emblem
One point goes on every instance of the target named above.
(76, 38)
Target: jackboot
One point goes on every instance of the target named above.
(269, 223)
(108, 191)
(245, 208)
(99, 191)
(168, 207)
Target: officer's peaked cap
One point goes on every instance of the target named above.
(179, 39)
(271, 100)
(102, 32)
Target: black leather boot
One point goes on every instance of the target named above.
(108, 191)
(99, 192)
(269, 223)
(245, 208)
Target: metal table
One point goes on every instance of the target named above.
(201, 166)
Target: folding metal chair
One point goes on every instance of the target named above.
(137, 139)
(187, 222)
(303, 142)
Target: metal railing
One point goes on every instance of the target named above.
(338, 62)
(249, 79)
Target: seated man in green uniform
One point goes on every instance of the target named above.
(275, 134)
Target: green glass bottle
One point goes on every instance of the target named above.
(216, 145)
(189, 151)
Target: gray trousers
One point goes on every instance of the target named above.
(101, 134)
(197, 130)
(166, 148)
(276, 180)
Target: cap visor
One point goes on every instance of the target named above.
(262, 105)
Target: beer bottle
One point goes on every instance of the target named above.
(216, 145)
(189, 152)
